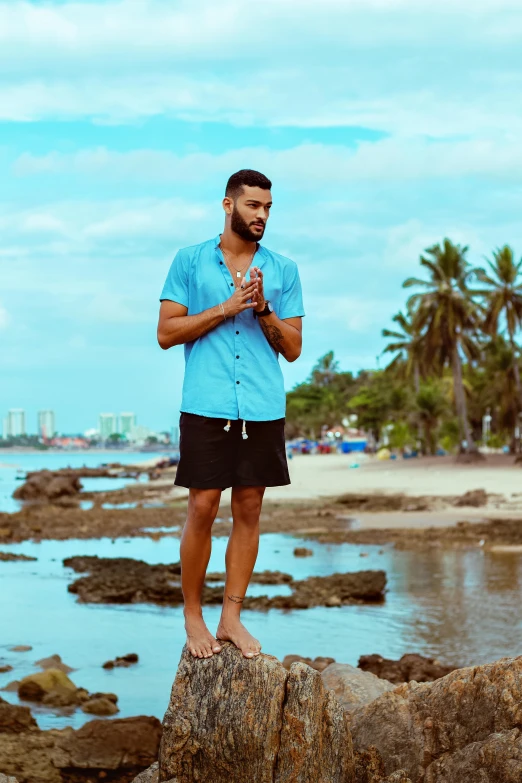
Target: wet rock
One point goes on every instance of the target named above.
(411, 666)
(114, 750)
(8, 557)
(5, 668)
(100, 704)
(47, 486)
(14, 719)
(384, 502)
(353, 687)
(302, 551)
(125, 580)
(54, 662)
(319, 663)
(21, 648)
(124, 660)
(234, 719)
(475, 498)
(53, 688)
(464, 727)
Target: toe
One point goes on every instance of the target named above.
(216, 648)
(193, 652)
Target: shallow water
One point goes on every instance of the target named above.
(15, 465)
(460, 606)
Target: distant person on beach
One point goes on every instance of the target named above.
(236, 306)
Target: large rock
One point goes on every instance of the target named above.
(14, 718)
(319, 664)
(5, 779)
(411, 666)
(234, 719)
(115, 750)
(464, 727)
(47, 486)
(353, 687)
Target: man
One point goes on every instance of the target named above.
(232, 414)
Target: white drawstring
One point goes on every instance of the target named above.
(243, 432)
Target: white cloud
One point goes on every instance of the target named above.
(407, 66)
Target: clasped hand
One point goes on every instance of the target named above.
(247, 296)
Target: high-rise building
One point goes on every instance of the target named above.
(127, 423)
(46, 427)
(108, 425)
(14, 423)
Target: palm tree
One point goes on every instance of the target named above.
(325, 370)
(504, 300)
(408, 347)
(448, 317)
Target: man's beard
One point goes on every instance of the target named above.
(241, 227)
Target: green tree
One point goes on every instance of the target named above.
(449, 318)
(503, 298)
(408, 346)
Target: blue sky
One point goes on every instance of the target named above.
(384, 124)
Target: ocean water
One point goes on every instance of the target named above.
(13, 466)
(460, 606)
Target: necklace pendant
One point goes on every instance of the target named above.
(238, 274)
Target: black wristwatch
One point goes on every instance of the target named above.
(268, 309)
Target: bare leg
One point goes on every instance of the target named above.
(195, 553)
(241, 557)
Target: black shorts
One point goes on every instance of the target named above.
(211, 458)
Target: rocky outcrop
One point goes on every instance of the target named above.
(302, 551)
(353, 687)
(234, 719)
(48, 486)
(5, 779)
(14, 719)
(464, 727)
(475, 498)
(11, 557)
(53, 688)
(112, 750)
(125, 580)
(122, 660)
(319, 663)
(54, 662)
(411, 666)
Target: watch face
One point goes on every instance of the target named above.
(269, 307)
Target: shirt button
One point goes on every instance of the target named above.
(237, 381)
(232, 284)
(237, 332)
(237, 357)
(221, 262)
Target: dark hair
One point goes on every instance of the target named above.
(248, 177)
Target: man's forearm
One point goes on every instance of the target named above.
(186, 328)
(282, 336)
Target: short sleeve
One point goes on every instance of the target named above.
(292, 296)
(176, 286)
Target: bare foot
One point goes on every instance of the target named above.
(233, 630)
(200, 641)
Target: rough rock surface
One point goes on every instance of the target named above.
(353, 687)
(125, 580)
(234, 719)
(464, 727)
(53, 687)
(319, 663)
(8, 557)
(474, 498)
(411, 666)
(14, 718)
(5, 779)
(47, 486)
(112, 750)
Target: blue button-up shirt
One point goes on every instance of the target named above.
(232, 372)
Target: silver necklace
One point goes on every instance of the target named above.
(239, 272)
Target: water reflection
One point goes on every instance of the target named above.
(462, 606)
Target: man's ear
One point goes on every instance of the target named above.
(228, 205)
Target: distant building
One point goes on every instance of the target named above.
(14, 423)
(127, 423)
(46, 425)
(108, 425)
(139, 434)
